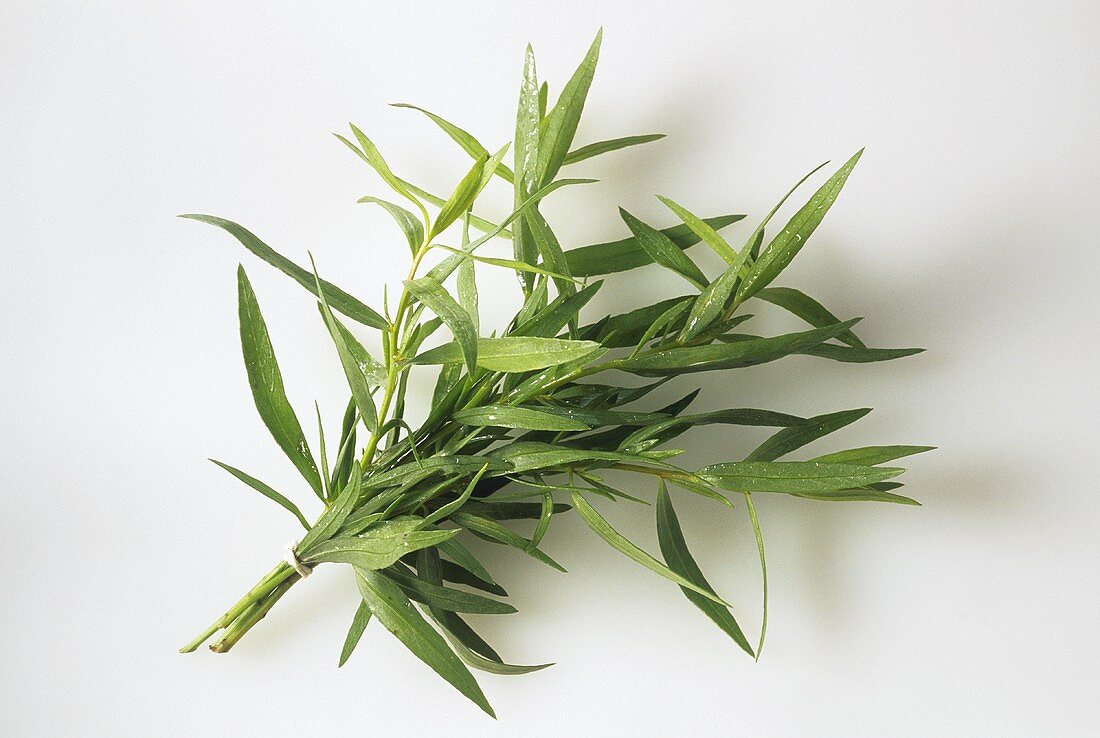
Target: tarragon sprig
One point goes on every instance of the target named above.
(524, 422)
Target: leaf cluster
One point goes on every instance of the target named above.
(525, 423)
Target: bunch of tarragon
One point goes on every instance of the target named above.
(531, 416)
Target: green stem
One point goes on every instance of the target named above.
(272, 581)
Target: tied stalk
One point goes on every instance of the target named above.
(528, 423)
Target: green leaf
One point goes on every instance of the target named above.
(792, 477)
(872, 455)
(410, 225)
(392, 608)
(373, 157)
(526, 152)
(627, 253)
(526, 456)
(483, 225)
(379, 546)
(467, 283)
(458, 574)
(477, 661)
(513, 353)
(679, 559)
(442, 270)
(432, 294)
(601, 527)
(710, 304)
(858, 495)
(703, 230)
(461, 199)
(415, 471)
(506, 416)
(462, 557)
(858, 355)
(355, 632)
(666, 429)
(603, 147)
(340, 300)
(548, 247)
(518, 266)
(662, 250)
(373, 372)
(795, 437)
(807, 308)
(336, 514)
(756, 239)
(688, 359)
(494, 531)
(445, 598)
(355, 361)
(267, 384)
(469, 144)
(759, 536)
(266, 491)
(548, 321)
(560, 125)
(799, 228)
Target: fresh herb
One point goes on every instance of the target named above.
(523, 423)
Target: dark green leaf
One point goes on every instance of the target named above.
(682, 360)
(627, 253)
(797, 436)
(679, 559)
(267, 384)
(603, 147)
(792, 477)
(355, 632)
(354, 360)
(872, 455)
(807, 308)
(494, 531)
(392, 608)
(851, 354)
(340, 300)
(790, 240)
(662, 250)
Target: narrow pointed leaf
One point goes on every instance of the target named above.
(494, 531)
(710, 304)
(561, 121)
(409, 224)
(792, 477)
(795, 437)
(353, 363)
(432, 294)
(627, 253)
(506, 416)
(604, 530)
(807, 308)
(373, 157)
(662, 250)
(676, 554)
(872, 455)
(799, 228)
(461, 199)
(266, 491)
(340, 300)
(392, 608)
(603, 147)
(681, 360)
(513, 353)
(703, 230)
(859, 355)
(469, 144)
(355, 632)
(377, 548)
(267, 384)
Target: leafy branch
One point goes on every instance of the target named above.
(524, 419)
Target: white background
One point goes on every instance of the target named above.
(968, 228)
